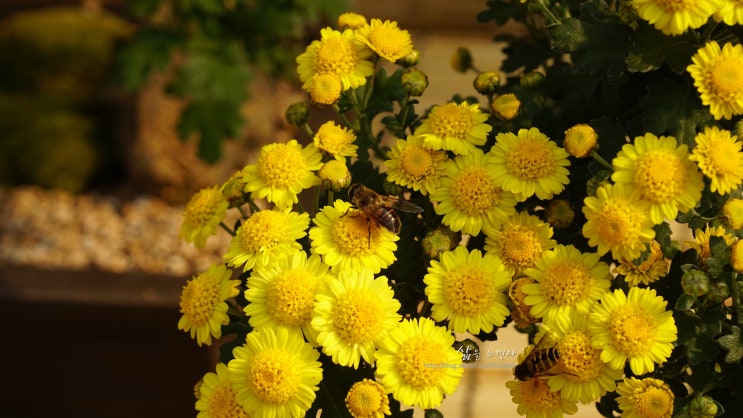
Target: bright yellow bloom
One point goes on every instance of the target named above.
(282, 294)
(520, 241)
(385, 39)
(718, 76)
(617, 221)
(701, 240)
(367, 399)
(202, 215)
(204, 303)
(265, 235)
(731, 12)
(674, 17)
(528, 164)
(282, 171)
(275, 374)
(661, 171)
(580, 140)
(645, 398)
(455, 127)
(635, 326)
(350, 20)
(584, 378)
(648, 271)
(469, 198)
(216, 398)
(567, 281)
(347, 240)
(336, 53)
(733, 211)
(417, 363)
(325, 89)
(336, 140)
(468, 289)
(415, 166)
(719, 156)
(352, 314)
(534, 399)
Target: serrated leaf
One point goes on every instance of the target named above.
(148, 50)
(733, 344)
(684, 302)
(213, 121)
(652, 49)
(663, 234)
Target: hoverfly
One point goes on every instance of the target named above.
(543, 360)
(380, 209)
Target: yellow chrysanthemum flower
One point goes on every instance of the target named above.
(584, 377)
(336, 53)
(645, 398)
(326, 89)
(719, 156)
(417, 363)
(386, 39)
(674, 17)
(469, 198)
(718, 76)
(275, 374)
(568, 281)
(216, 398)
(733, 212)
(413, 165)
(617, 221)
(635, 326)
(347, 240)
(534, 399)
(520, 241)
(266, 234)
(701, 240)
(528, 163)
(731, 13)
(367, 399)
(350, 20)
(336, 140)
(455, 127)
(203, 303)
(202, 214)
(648, 271)
(282, 294)
(352, 314)
(282, 171)
(661, 171)
(468, 289)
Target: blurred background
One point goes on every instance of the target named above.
(112, 113)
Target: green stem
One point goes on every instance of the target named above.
(549, 16)
(308, 130)
(601, 160)
(736, 316)
(253, 207)
(227, 228)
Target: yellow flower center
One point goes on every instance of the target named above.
(335, 55)
(199, 298)
(262, 231)
(366, 398)
(389, 41)
(582, 362)
(726, 77)
(326, 89)
(536, 395)
(281, 165)
(675, 6)
(202, 206)
(632, 330)
(566, 282)
(474, 192)
(417, 162)
(469, 290)
(659, 175)
(724, 157)
(653, 402)
(414, 361)
(357, 316)
(615, 223)
(354, 235)
(273, 376)
(291, 297)
(530, 160)
(520, 248)
(222, 403)
(451, 120)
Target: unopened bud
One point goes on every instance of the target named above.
(718, 292)
(487, 82)
(695, 282)
(733, 211)
(233, 190)
(702, 407)
(461, 61)
(532, 80)
(439, 241)
(580, 140)
(335, 174)
(414, 82)
(506, 107)
(520, 311)
(351, 20)
(560, 214)
(297, 113)
(736, 256)
(409, 60)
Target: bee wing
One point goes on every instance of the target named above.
(403, 205)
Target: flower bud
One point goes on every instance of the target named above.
(738, 129)
(461, 61)
(506, 107)
(335, 174)
(520, 311)
(580, 140)
(414, 82)
(532, 80)
(736, 256)
(297, 113)
(702, 407)
(233, 190)
(438, 241)
(351, 20)
(326, 89)
(433, 413)
(695, 282)
(560, 213)
(718, 292)
(487, 82)
(733, 211)
(409, 60)
(392, 189)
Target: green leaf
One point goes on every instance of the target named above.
(148, 50)
(663, 234)
(652, 49)
(684, 302)
(503, 11)
(213, 121)
(733, 344)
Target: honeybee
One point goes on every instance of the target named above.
(543, 360)
(380, 209)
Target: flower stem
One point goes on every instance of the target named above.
(227, 228)
(735, 291)
(601, 160)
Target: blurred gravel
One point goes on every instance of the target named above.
(54, 229)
